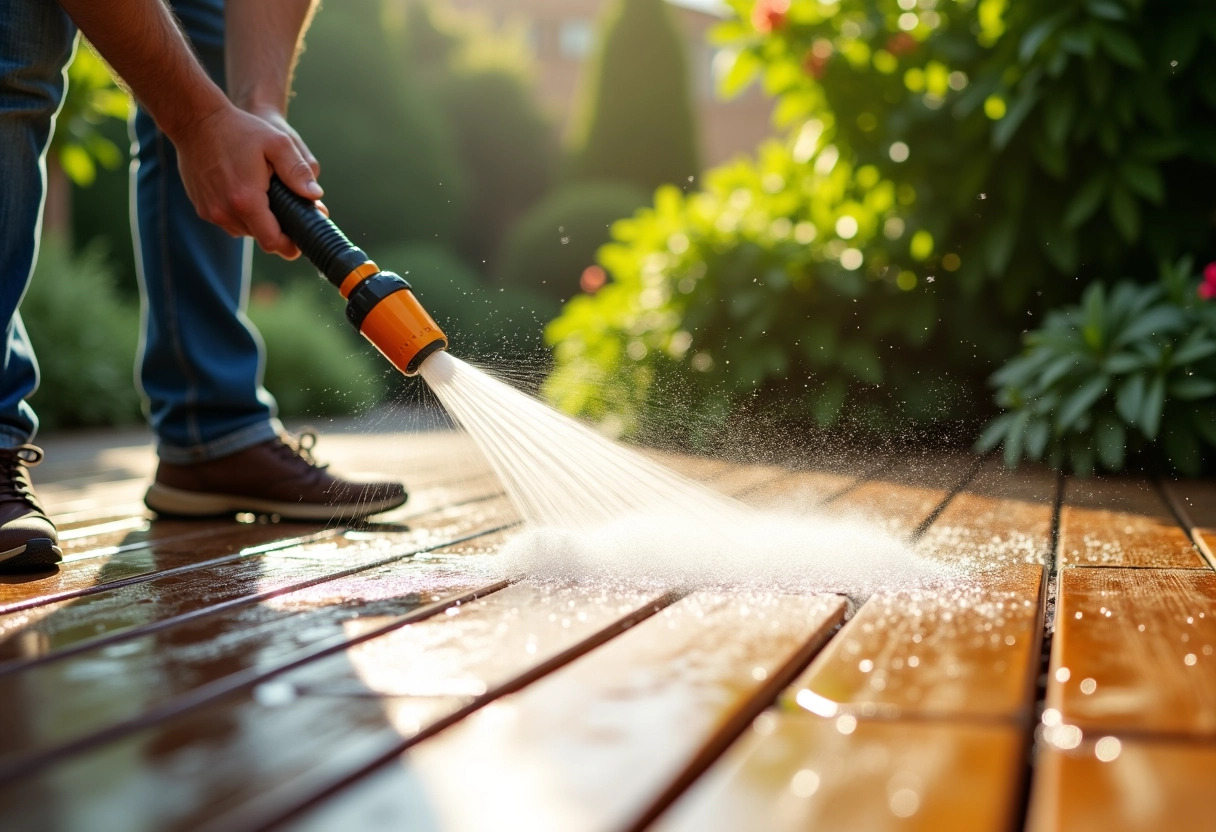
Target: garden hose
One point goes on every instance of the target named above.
(381, 305)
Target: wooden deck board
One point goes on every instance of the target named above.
(1135, 785)
(801, 772)
(969, 649)
(1133, 651)
(594, 746)
(296, 737)
(229, 582)
(1121, 522)
(228, 676)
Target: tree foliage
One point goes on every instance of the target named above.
(637, 120)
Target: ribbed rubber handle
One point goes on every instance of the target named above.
(321, 242)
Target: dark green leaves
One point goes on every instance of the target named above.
(1133, 365)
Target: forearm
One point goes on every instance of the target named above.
(263, 41)
(142, 42)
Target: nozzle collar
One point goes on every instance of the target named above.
(370, 292)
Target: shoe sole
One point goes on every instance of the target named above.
(34, 555)
(176, 502)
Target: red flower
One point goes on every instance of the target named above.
(901, 44)
(814, 65)
(1207, 290)
(769, 15)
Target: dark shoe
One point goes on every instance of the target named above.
(28, 540)
(278, 476)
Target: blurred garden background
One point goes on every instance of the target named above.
(988, 222)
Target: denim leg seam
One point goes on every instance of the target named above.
(170, 318)
(232, 443)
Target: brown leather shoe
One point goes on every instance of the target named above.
(278, 476)
(28, 540)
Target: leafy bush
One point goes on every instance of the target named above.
(730, 292)
(315, 365)
(637, 121)
(507, 150)
(482, 322)
(389, 164)
(948, 173)
(548, 249)
(84, 334)
(1037, 140)
(1125, 369)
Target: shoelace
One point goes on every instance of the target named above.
(300, 448)
(14, 473)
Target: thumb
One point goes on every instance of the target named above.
(294, 169)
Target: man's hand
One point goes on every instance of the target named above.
(226, 160)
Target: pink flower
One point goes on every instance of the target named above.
(1207, 290)
(769, 15)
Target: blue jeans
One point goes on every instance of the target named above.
(200, 360)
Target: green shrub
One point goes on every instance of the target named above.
(84, 334)
(1129, 371)
(483, 323)
(552, 244)
(315, 364)
(507, 150)
(389, 164)
(636, 120)
(948, 174)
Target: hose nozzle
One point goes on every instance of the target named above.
(381, 305)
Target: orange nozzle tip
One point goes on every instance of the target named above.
(403, 331)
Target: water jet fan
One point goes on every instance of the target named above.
(380, 304)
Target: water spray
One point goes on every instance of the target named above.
(380, 304)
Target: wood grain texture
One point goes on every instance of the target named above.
(80, 623)
(799, 772)
(1133, 651)
(1000, 517)
(1132, 786)
(234, 762)
(593, 746)
(1121, 521)
(144, 554)
(968, 650)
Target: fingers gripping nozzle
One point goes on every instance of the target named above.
(381, 305)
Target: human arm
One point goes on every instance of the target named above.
(225, 155)
(264, 40)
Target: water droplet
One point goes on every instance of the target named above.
(904, 803)
(1107, 749)
(805, 783)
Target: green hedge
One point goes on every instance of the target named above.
(315, 363)
(552, 244)
(84, 333)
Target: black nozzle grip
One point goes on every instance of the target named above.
(321, 242)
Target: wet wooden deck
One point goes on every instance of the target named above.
(228, 676)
